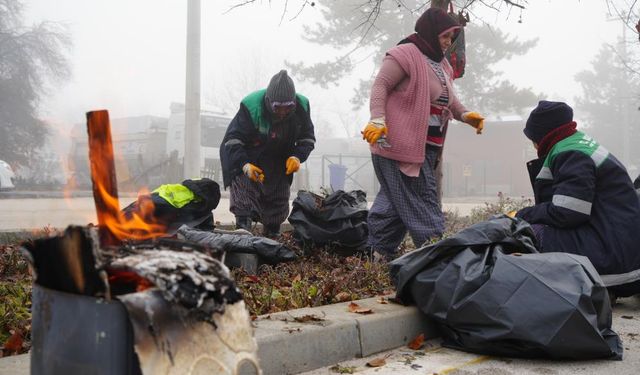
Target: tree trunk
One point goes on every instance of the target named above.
(442, 4)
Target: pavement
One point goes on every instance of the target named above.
(339, 340)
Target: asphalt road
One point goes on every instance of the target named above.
(30, 213)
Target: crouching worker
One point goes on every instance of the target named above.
(265, 143)
(189, 203)
(585, 201)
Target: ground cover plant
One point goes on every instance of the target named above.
(318, 277)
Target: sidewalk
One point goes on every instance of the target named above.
(288, 347)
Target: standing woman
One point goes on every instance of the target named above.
(412, 101)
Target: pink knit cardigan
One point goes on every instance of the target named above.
(405, 103)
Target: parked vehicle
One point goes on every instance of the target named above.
(6, 176)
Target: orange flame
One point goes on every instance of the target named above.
(141, 225)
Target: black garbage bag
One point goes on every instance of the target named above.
(339, 219)
(269, 251)
(196, 213)
(491, 292)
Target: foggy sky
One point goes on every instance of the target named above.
(128, 56)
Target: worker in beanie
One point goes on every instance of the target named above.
(265, 143)
(585, 202)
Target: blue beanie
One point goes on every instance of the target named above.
(546, 117)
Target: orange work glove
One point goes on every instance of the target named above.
(512, 214)
(373, 131)
(474, 119)
(254, 173)
(293, 164)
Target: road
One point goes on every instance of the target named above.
(36, 213)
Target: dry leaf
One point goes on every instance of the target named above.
(382, 301)
(251, 279)
(14, 343)
(307, 318)
(417, 342)
(343, 297)
(377, 362)
(297, 278)
(355, 308)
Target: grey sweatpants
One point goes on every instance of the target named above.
(404, 204)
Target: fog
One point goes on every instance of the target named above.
(129, 57)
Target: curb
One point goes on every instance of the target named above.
(289, 347)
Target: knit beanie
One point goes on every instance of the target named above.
(546, 117)
(281, 88)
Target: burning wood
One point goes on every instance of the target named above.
(114, 225)
(187, 314)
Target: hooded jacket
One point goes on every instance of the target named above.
(585, 197)
(252, 137)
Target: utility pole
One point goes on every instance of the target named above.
(192, 93)
(626, 131)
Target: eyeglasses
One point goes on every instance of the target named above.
(283, 105)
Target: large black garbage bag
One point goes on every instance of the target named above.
(269, 251)
(195, 214)
(339, 219)
(491, 292)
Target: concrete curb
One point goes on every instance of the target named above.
(289, 347)
(286, 346)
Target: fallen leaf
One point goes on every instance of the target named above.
(307, 318)
(382, 301)
(14, 342)
(343, 297)
(343, 369)
(253, 317)
(377, 362)
(251, 279)
(297, 278)
(417, 342)
(355, 308)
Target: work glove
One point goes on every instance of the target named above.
(293, 164)
(474, 119)
(374, 130)
(512, 214)
(254, 173)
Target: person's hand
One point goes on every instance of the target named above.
(373, 131)
(254, 173)
(474, 119)
(293, 164)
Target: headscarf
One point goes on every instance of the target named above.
(431, 24)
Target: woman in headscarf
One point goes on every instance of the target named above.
(412, 101)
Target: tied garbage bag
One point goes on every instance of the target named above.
(491, 292)
(338, 219)
(268, 250)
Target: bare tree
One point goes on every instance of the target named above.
(29, 57)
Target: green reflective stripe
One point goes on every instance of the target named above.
(599, 155)
(232, 142)
(619, 279)
(571, 203)
(545, 174)
(176, 195)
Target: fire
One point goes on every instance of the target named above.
(115, 225)
(140, 225)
